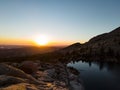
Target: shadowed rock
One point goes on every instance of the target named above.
(9, 80)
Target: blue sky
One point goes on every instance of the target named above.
(62, 20)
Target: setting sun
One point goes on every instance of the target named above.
(41, 40)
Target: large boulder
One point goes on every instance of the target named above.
(12, 71)
(29, 67)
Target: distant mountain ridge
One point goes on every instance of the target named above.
(104, 47)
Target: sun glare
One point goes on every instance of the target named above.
(41, 40)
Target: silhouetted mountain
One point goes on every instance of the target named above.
(104, 47)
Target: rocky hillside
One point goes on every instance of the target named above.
(104, 47)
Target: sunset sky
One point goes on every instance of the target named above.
(62, 21)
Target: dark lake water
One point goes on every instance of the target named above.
(98, 76)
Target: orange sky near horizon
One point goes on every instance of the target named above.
(31, 42)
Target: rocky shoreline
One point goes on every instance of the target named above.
(29, 75)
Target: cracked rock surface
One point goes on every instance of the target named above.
(45, 76)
